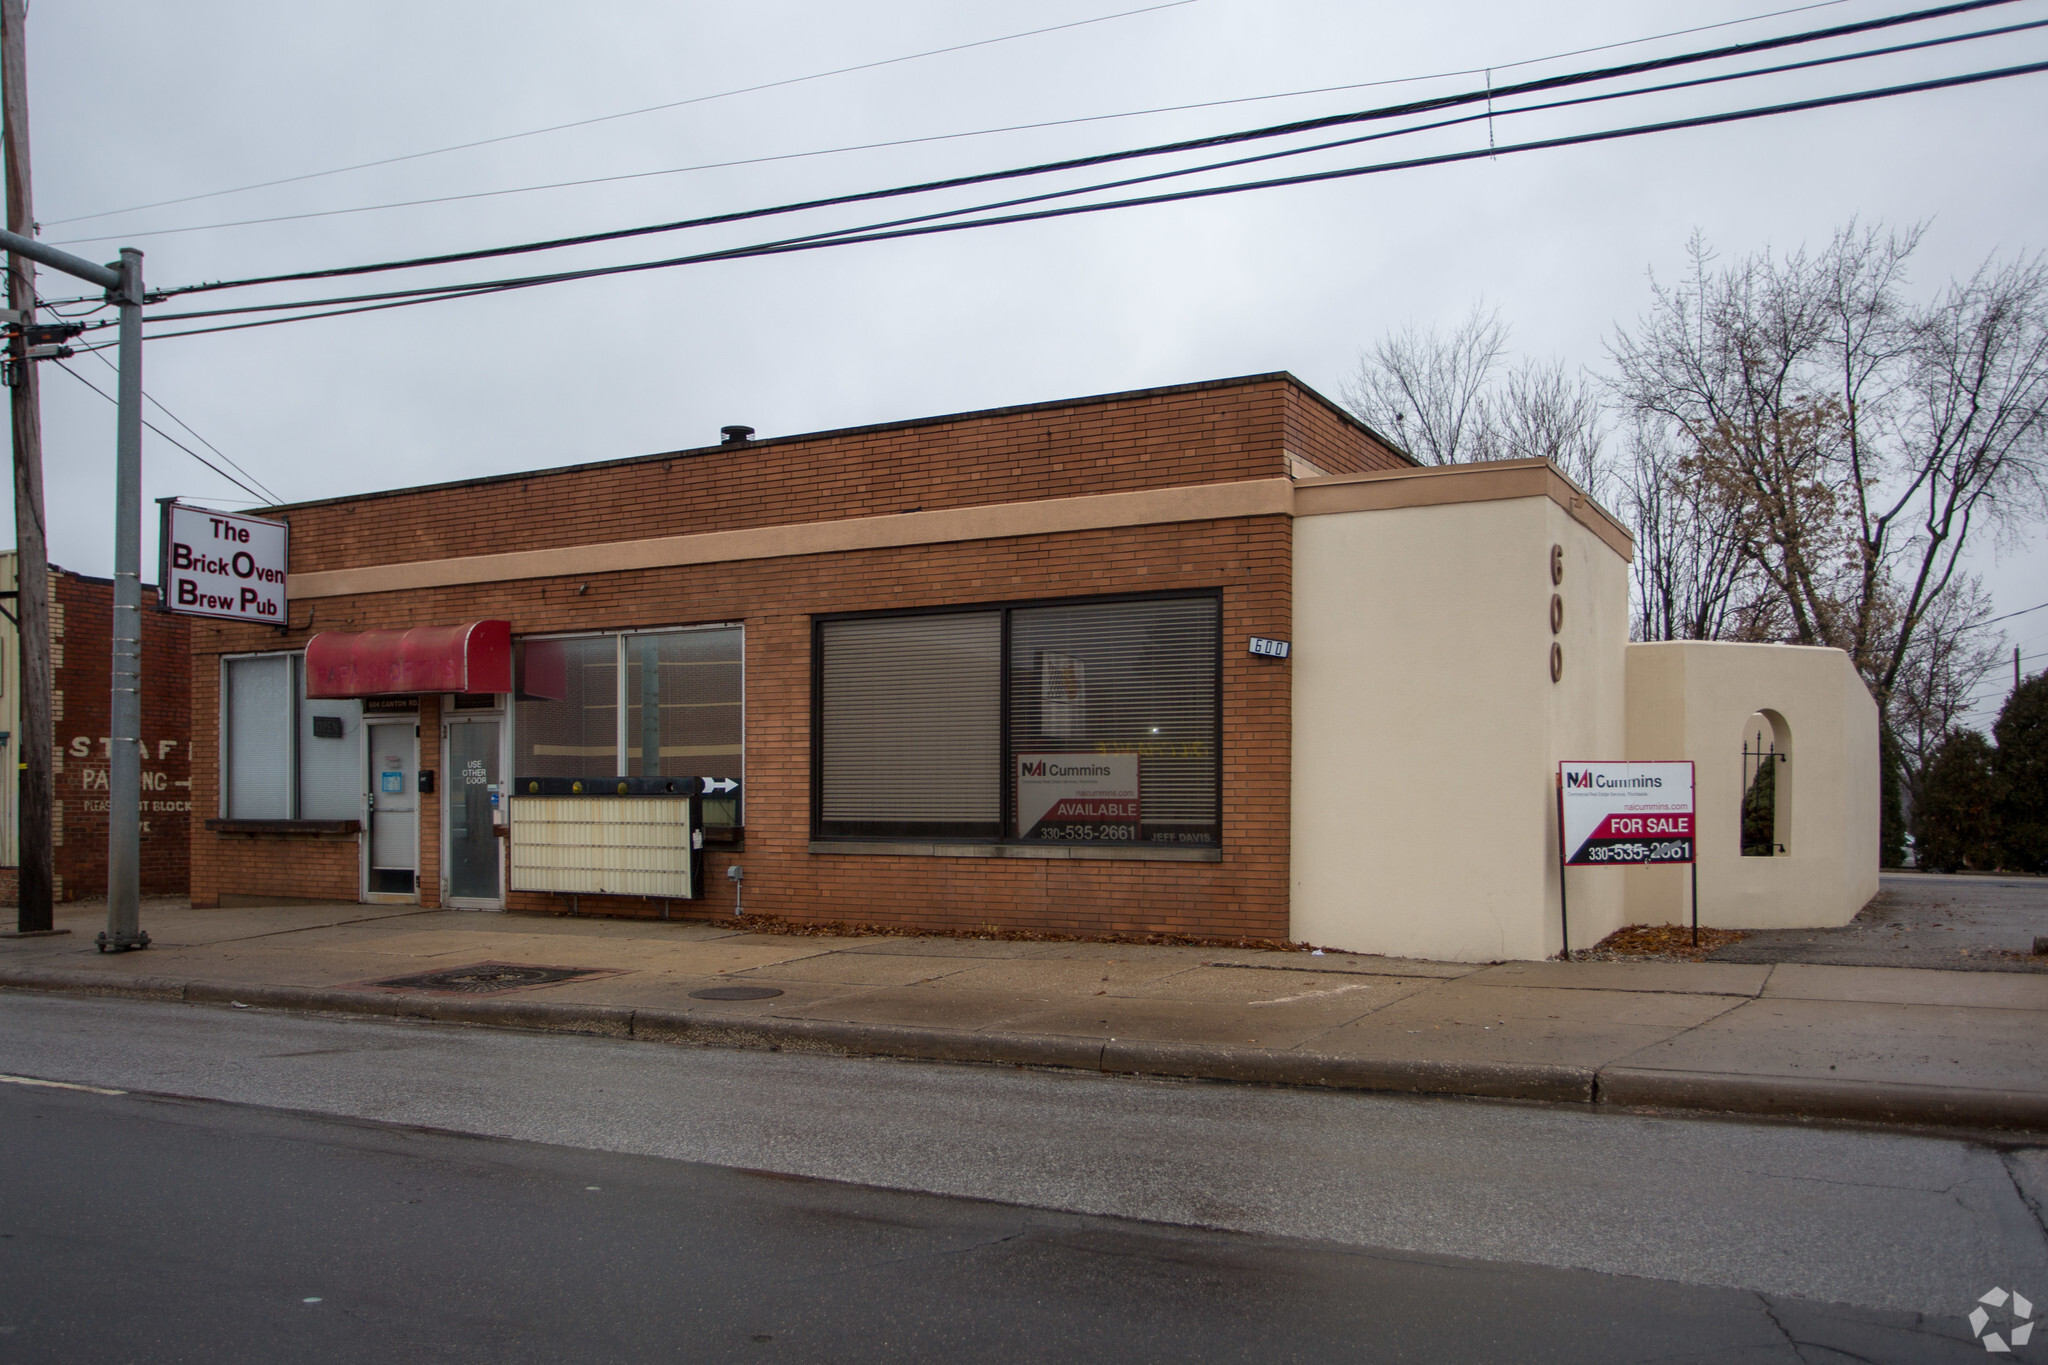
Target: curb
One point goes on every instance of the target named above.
(1796, 1097)
(1620, 1087)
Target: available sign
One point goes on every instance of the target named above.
(1615, 814)
(1078, 798)
(221, 564)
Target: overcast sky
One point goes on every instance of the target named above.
(138, 101)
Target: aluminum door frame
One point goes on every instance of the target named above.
(449, 720)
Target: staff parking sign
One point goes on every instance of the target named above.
(221, 564)
(1620, 814)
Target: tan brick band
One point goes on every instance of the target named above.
(1373, 491)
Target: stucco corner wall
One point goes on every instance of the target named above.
(1427, 729)
(1693, 699)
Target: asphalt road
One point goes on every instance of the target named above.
(1327, 1226)
(1922, 919)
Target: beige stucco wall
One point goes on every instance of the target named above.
(1692, 700)
(1427, 730)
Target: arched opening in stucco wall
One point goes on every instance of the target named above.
(1766, 786)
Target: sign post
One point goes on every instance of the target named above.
(1624, 815)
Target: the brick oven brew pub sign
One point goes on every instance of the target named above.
(222, 564)
(1617, 814)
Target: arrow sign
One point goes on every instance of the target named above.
(714, 786)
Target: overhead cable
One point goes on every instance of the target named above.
(1076, 163)
(903, 141)
(1483, 116)
(151, 399)
(1316, 177)
(168, 437)
(628, 113)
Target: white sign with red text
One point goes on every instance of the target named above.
(1618, 814)
(222, 564)
(1078, 798)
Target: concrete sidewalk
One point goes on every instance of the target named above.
(1894, 1045)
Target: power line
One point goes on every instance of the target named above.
(1186, 171)
(857, 237)
(629, 113)
(2009, 615)
(903, 142)
(152, 399)
(1075, 163)
(167, 436)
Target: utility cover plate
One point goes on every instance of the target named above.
(488, 978)
(736, 993)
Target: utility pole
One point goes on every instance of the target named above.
(34, 744)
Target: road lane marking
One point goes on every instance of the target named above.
(59, 1085)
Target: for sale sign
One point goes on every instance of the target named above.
(221, 564)
(1616, 814)
(1078, 798)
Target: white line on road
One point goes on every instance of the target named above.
(59, 1085)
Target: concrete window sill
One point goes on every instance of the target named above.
(288, 829)
(1117, 853)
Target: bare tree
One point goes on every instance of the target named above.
(1426, 389)
(1943, 673)
(1850, 445)
(1857, 440)
(1692, 581)
(1546, 411)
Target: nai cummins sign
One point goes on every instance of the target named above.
(225, 565)
(1617, 814)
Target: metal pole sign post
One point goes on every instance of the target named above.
(1624, 815)
(123, 283)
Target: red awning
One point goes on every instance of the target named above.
(378, 663)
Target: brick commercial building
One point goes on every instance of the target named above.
(81, 651)
(1021, 668)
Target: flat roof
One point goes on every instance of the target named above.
(1090, 400)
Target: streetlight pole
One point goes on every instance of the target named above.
(124, 764)
(123, 283)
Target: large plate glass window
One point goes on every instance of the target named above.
(1090, 722)
(659, 703)
(910, 738)
(285, 757)
(1113, 722)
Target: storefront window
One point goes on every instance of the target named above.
(1106, 733)
(640, 704)
(910, 733)
(285, 757)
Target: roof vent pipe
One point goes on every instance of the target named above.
(736, 436)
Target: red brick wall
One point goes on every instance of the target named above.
(1214, 433)
(81, 654)
(1207, 433)
(1246, 893)
(296, 866)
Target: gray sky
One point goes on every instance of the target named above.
(135, 101)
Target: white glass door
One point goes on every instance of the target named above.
(394, 861)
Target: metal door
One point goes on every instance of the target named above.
(474, 810)
(394, 861)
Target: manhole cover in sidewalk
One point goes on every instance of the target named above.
(482, 978)
(736, 993)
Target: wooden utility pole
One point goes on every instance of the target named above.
(32, 747)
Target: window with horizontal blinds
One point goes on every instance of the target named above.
(910, 726)
(1110, 734)
(1123, 678)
